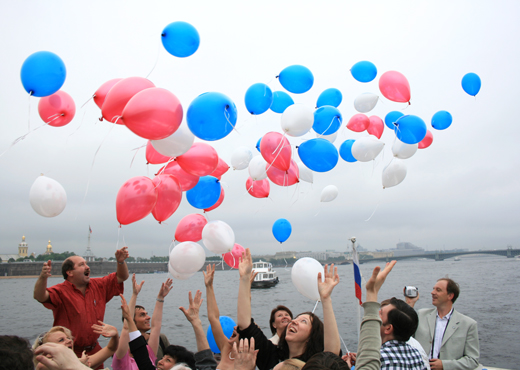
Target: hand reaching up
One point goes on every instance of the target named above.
(165, 288)
(376, 281)
(245, 265)
(209, 275)
(331, 279)
(136, 288)
(192, 313)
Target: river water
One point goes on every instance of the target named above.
(489, 294)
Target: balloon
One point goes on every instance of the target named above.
(212, 116)
(358, 123)
(318, 154)
(296, 79)
(391, 118)
(178, 275)
(402, 150)
(394, 173)
(257, 168)
(177, 143)
(187, 180)
(276, 150)
(47, 197)
(240, 158)
(305, 173)
(367, 148)
(258, 144)
(43, 73)
(189, 228)
(228, 325)
(119, 95)
(330, 138)
(154, 157)
(205, 194)
(222, 168)
(101, 93)
(200, 160)
(364, 103)
(180, 39)
(219, 201)
(232, 258)
(304, 275)
(329, 193)
(258, 189)
(470, 83)
(395, 87)
(345, 151)
(332, 97)
(364, 71)
(135, 200)
(169, 196)
(284, 178)
(297, 120)
(376, 126)
(57, 109)
(281, 100)
(259, 98)
(282, 229)
(410, 129)
(187, 257)
(327, 120)
(218, 237)
(441, 120)
(427, 141)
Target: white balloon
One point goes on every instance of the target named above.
(297, 120)
(48, 198)
(187, 257)
(367, 148)
(304, 275)
(177, 143)
(329, 193)
(365, 102)
(240, 158)
(218, 237)
(305, 173)
(257, 167)
(178, 275)
(394, 173)
(331, 137)
(402, 150)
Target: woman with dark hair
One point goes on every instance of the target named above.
(280, 317)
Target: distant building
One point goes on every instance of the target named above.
(49, 249)
(23, 250)
(88, 255)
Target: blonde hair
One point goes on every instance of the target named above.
(42, 338)
(292, 364)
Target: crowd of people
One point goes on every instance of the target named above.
(393, 336)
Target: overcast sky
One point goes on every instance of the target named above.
(462, 192)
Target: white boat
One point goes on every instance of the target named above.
(456, 259)
(266, 277)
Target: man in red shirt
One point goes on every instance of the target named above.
(79, 302)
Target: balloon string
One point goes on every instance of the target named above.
(234, 260)
(89, 99)
(368, 219)
(316, 305)
(346, 349)
(156, 59)
(29, 118)
(333, 118)
(17, 140)
(227, 119)
(80, 124)
(137, 151)
(281, 141)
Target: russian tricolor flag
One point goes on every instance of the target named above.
(357, 274)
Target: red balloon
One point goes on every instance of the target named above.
(200, 160)
(284, 178)
(258, 189)
(395, 87)
(189, 229)
(120, 94)
(153, 156)
(376, 126)
(221, 169)
(427, 141)
(169, 196)
(187, 180)
(135, 199)
(57, 109)
(101, 93)
(153, 113)
(276, 150)
(232, 258)
(219, 201)
(358, 123)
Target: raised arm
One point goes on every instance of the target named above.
(244, 290)
(192, 315)
(155, 332)
(330, 327)
(411, 301)
(108, 331)
(122, 269)
(122, 347)
(40, 288)
(212, 307)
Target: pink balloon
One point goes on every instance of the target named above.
(358, 123)
(101, 93)
(57, 109)
(258, 189)
(395, 87)
(120, 94)
(169, 196)
(376, 126)
(189, 229)
(221, 169)
(232, 258)
(153, 156)
(135, 200)
(187, 180)
(276, 150)
(427, 141)
(284, 178)
(219, 201)
(200, 160)
(153, 113)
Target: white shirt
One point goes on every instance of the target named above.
(415, 344)
(440, 327)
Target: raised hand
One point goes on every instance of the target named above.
(46, 269)
(209, 275)
(108, 331)
(125, 309)
(252, 277)
(411, 301)
(136, 287)
(192, 313)
(165, 288)
(245, 356)
(245, 265)
(330, 281)
(377, 279)
(122, 254)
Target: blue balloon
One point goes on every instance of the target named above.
(391, 118)
(258, 144)
(364, 71)
(259, 98)
(296, 79)
(345, 151)
(331, 97)
(471, 84)
(180, 39)
(410, 129)
(281, 100)
(43, 73)
(228, 325)
(327, 120)
(318, 154)
(282, 230)
(441, 120)
(211, 116)
(205, 194)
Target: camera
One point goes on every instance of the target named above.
(411, 291)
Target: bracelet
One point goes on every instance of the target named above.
(122, 263)
(159, 300)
